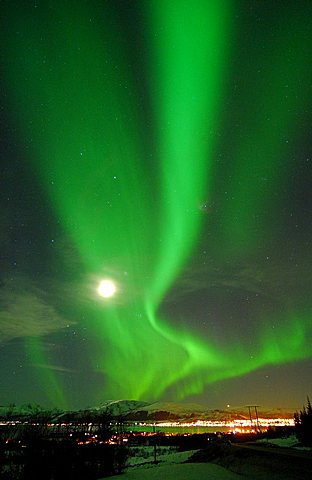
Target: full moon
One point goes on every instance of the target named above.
(106, 288)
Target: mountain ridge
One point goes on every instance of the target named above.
(140, 410)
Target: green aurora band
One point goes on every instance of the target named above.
(134, 220)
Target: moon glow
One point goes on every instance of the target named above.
(106, 288)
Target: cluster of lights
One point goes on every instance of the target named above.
(232, 424)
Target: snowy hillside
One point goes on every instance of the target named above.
(160, 411)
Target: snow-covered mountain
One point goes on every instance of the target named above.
(133, 410)
(118, 408)
(161, 411)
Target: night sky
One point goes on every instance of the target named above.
(164, 145)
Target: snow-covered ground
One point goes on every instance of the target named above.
(164, 455)
(171, 467)
(179, 471)
(290, 442)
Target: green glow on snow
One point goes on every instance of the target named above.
(80, 107)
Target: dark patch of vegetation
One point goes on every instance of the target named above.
(279, 432)
(186, 442)
(217, 449)
(303, 424)
(65, 459)
(33, 448)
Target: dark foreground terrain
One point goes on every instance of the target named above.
(259, 462)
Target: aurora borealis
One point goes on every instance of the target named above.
(164, 145)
